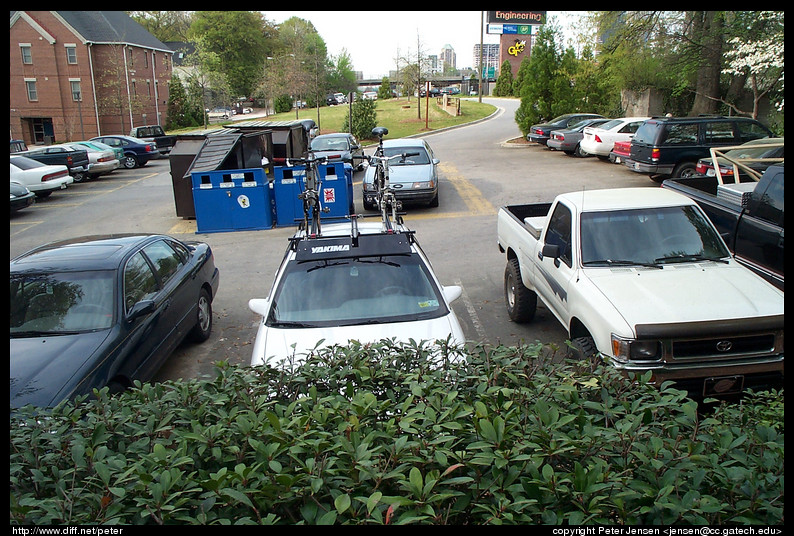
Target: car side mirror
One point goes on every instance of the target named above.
(452, 292)
(436, 161)
(143, 307)
(259, 305)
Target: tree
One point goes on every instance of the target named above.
(758, 59)
(240, 39)
(541, 83)
(365, 118)
(384, 91)
(165, 25)
(504, 84)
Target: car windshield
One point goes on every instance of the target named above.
(330, 144)
(61, 303)
(344, 292)
(658, 235)
(419, 159)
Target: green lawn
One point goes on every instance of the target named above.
(398, 115)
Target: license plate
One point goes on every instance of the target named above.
(637, 166)
(723, 385)
(617, 160)
(63, 186)
(710, 172)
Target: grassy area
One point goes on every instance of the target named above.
(398, 115)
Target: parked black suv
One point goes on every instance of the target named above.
(666, 147)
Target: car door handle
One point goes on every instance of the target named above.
(166, 304)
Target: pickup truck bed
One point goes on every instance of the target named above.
(76, 161)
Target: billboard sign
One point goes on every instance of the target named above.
(520, 29)
(516, 17)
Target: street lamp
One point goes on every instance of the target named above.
(78, 96)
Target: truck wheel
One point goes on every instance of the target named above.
(584, 348)
(521, 302)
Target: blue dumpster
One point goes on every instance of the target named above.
(288, 182)
(336, 196)
(232, 200)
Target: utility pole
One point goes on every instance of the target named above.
(482, 17)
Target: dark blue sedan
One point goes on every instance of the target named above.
(137, 152)
(104, 311)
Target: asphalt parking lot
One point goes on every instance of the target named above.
(479, 173)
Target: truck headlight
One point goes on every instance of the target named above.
(635, 350)
(422, 185)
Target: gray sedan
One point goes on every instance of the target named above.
(567, 140)
(336, 146)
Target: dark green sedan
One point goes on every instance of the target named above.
(104, 311)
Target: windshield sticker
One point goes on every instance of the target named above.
(428, 303)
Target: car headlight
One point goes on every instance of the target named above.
(424, 184)
(636, 350)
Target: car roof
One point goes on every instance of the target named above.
(96, 252)
(334, 135)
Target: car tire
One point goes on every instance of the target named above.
(130, 162)
(203, 328)
(685, 170)
(433, 202)
(520, 301)
(80, 176)
(367, 206)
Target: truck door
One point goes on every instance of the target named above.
(552, 275)
(759, 234)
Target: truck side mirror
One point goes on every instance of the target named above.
(550, 250)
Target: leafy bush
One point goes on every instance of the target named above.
(365, 118)
(376, 434)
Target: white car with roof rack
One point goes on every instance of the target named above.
(354, 282)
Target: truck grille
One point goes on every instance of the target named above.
(726, 346)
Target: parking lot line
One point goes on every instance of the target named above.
(475, 201)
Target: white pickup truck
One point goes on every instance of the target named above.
(640, 277)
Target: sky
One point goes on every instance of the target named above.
(374, 38)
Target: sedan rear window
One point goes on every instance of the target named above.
(25, 163)
(419, 159)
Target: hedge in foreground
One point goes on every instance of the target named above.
(376, 435)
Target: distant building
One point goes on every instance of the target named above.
(447, 57)
(78, 74)
(490, 57)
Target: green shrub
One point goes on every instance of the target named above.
(375, 434)
(365, 118)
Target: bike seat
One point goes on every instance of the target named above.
(380, 131)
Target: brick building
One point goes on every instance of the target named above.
(78, 74)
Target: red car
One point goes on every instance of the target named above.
(620, 151)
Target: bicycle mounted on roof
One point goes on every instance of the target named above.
(385, 198)
(311, 194)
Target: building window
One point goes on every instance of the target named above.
(33, 95)
(27, 57)
(149, 88)
(129, 55)
(71, 54)
(77, 94)
(145, 58)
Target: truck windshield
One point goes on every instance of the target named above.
(339, 292)
(652, 235)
